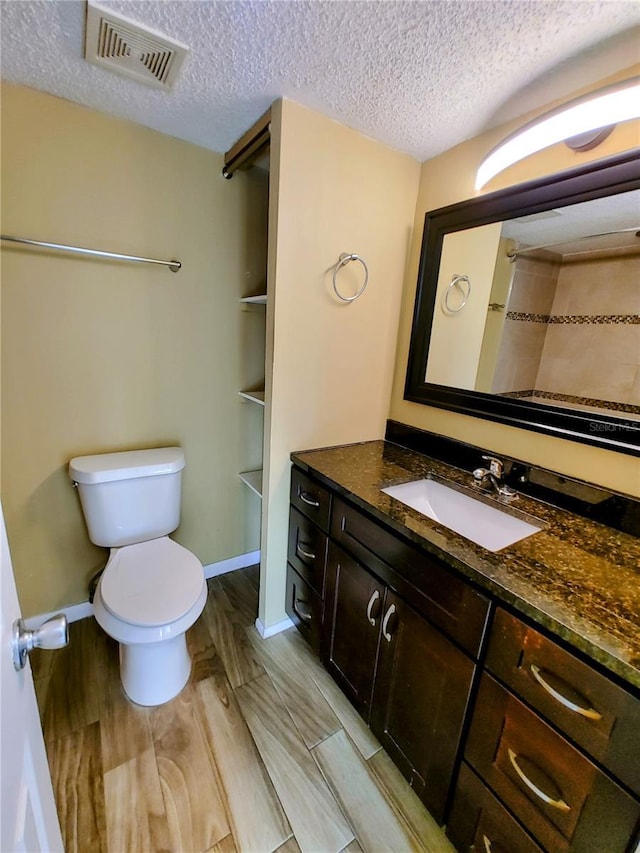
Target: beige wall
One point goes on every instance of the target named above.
(338, 191)
(450, 178)
(99, 356)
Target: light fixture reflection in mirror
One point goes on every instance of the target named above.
(550, 338)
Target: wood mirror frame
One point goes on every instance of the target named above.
(602, 178)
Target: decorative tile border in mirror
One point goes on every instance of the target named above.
(632, 319)
(612, 406)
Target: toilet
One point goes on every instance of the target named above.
(152, 589)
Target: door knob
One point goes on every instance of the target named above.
(52, 634)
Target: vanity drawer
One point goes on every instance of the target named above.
(304, 608)
(562, 799)
(310, 498)
(448, 601)
(307, 549)
(478, 821)
(600, 716)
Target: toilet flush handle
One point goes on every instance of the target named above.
(52, 634)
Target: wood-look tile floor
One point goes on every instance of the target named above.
(260, 752)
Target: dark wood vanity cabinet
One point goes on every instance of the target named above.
(406, 677)
(446, 599)
(306, 555)
(517, 744)
(598, 715)
(409, 682)
(553, 752)
(421, 693)
(354, 601)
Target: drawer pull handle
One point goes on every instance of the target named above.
(589, 713)
(303, 610)
(305, 497)
(308, 554)
(556, 804)
(387, 616)
(374, 597)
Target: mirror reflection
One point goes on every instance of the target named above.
(544, 308)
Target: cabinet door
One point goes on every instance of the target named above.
(353, 606)
(421, 693)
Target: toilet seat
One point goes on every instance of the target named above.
(151, 584)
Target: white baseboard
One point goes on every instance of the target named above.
(84, 609)
(73, 612)
(265, 633)
(242, 561)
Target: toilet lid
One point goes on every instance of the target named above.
(151, 583)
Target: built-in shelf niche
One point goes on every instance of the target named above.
(251, 156)
(253, 479)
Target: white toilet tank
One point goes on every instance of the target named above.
(129, 497)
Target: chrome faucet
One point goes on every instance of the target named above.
(494, 475)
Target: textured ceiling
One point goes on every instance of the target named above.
(420, 76)
(597, 216)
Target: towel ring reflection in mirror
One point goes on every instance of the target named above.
(344, 258)
(457, 284)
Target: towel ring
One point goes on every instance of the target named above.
(344, 258)
(456, 282)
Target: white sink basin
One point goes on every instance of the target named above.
(483, 524)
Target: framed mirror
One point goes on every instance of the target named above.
(527, 309)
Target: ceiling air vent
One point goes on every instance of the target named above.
(120, 44)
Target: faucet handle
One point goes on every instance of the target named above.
(496, 466)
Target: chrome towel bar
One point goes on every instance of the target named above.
(174, 266)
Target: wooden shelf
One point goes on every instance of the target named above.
(253, 479)
(253, 396)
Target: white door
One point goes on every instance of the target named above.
(28, 819)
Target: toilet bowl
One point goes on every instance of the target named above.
(148, 596)
(152, 589)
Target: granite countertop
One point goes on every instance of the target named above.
(576, 577)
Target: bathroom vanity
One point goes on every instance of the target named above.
(505, 685)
